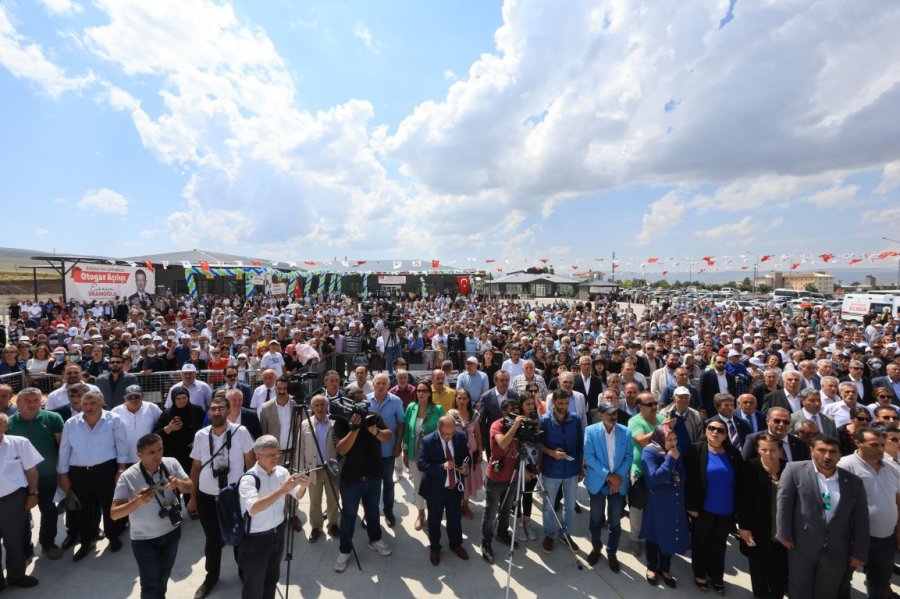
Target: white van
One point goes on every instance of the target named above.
(857, 305)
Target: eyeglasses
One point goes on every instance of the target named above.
(422, 391)
(652, 405)
(863, 419)
(780, 421)
(716, 430)
(115, 363)
(277, 454)
(218, 409)
(230, 376)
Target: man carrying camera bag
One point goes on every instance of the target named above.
(222, 452)
(149, 494)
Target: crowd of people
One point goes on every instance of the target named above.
(779, 430)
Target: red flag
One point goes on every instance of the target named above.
(310, 262)
(826, 257)
(464, 284)
(652, 260)
(767, 257)
(435, 264)
(702, 270)
(488, 261)
(574, 266)
(709, 260)
(149, 264)
(744, 267)
(795, 265)
(545, 260)
(665, 272)
(256, 263)
(855, 261)
(360, 262)
(499, 269)
(204, 265)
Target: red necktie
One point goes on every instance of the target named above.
(451, 474)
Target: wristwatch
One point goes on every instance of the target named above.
(34, 493)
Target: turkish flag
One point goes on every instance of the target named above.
(204, 265)
(464, 285)
(149, 264)
(256, 263)
(435, 264)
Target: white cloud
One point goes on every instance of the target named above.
(41, 232)
(105, 201)
(449, 75)
(362, 32)
(148, 234)
(728, 230)
(62, 7)
(835, 198)
(26, 60)
(890, 178)
(665, 213)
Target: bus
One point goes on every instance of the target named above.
(786, 295)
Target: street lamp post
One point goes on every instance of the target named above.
(898, 260)
(755, 268)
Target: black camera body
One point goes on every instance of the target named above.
(529, 430)
(172, 511)
(343, 408)
(297, 385)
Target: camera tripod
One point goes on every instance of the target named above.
(521, 467)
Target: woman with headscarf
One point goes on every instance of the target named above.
(177, 426)
(664, 526)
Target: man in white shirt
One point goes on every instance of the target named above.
(830, 390)
(138, 416)
(514, 364)
(18, 496)
(264, 392)
(60, 397)
(578, 405)
(840, 411)
(273, 359)
(262, 491)
(200, 392)
(278, 418)
(222, 452)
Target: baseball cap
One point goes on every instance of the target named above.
(133, 390)
(681, 391)
(188, 368)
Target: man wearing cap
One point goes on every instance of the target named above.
(473, 380)
(201, 393)
(60, 397)
(688, 425)
(138, 416)
(608, 455)
(113, 384)
(181, 353)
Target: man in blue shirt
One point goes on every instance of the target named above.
(473, 380)
(562, 466)
(390, 408)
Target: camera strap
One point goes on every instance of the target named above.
(226, 446)
(164, 475)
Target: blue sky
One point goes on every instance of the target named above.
(460, 131)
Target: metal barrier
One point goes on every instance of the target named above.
(16, 380)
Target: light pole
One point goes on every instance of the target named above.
(755, 267)
(898, 260)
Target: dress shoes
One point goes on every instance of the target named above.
(435, 557)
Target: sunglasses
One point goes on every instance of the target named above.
(716, 430)
(649, 405)
(780, 421)
(863, 419)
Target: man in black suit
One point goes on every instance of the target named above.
(778, 422)
(857, 377)
(736, 429)
(788, 397)
(141, 296)
(238, 414)
(587, 383)
(823, 532)
(747, 412)
(891, 380)
(232, 382)
(444, 460)
(112, 384)
(762, 388)
(490, 402)
(715, 380)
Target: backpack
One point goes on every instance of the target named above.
(233, 523)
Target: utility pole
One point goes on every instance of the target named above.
(613, 276)
(898, 260)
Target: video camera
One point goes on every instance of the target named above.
(529, 430)
(297, 388)
(343, 408)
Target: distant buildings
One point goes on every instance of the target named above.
(823, 282)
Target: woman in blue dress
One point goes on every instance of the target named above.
(665, 525)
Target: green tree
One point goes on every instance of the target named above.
(746, 284)
(763, 288)
(811, 287)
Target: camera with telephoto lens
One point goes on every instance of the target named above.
(529, 430)
(297, 386)
(343, 408)
(172, 511)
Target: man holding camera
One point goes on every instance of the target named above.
(262, 547)
(360, 440)
(222, 452)
(148, 494)
(499, 483)
(562, 467)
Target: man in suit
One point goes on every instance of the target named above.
(490, 403)
(736, 429)
(891, 380)
(606, 479)
(310, 458)
(232, 382)
(444, 460)
(822, 519)
(112, 384)
(587, 383)
(715, 380)
(863, 384)
(141, 296)
(279, 419)
(768, 384)
(665, 376)
(747, 412)
(649, 362)
(788, 397)
(778, 424)
(811, 403)
(238, 414)
(808, 376)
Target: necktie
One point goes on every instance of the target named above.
(451, 474)
(268, 394)
(733, 435)
(782, 452)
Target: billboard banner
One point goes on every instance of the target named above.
(391, 280)
(101, 282)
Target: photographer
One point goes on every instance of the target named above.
(261, 550)
(147, 493)
(222, 452)
(499, 484)
(359, 439)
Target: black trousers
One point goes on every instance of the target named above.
(708, 542)
(206, 509)
(449, 500)
(94, 486)
(259, 558)
(768, 569)
(12, 531)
